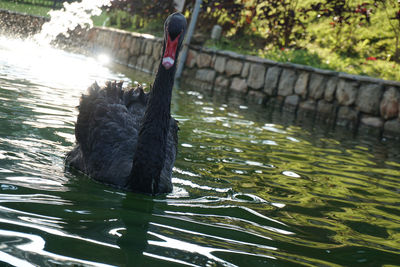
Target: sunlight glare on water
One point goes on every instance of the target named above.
(249, 188)
(50, 66)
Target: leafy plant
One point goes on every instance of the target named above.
(359, 37)
(142, 11)
(227, 14)
(392, 10)
(345, 17)
(282, 19)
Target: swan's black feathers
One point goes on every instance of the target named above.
(107, 131)
(127, 138)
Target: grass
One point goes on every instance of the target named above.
(43, 11)
(25, 8)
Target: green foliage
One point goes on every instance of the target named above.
(392, 11)
(359, 36)
(143, 9)
(279, 21)
(227, 14)
(123, 20)
(139, 15)
(282, 19)
(298, 56)
(25, 8)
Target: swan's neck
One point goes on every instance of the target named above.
(149, 157)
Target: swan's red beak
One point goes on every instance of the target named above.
(170, 52)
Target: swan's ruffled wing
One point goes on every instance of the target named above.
(106, 134)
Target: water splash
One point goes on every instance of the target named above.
(68, 18)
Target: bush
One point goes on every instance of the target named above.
(140, 11)
(359, 37)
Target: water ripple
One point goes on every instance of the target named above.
(249, 189)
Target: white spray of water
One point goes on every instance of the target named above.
(68, 18)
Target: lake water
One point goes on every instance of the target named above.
(251, 188)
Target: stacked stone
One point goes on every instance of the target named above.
(135, 50)
(351, 101)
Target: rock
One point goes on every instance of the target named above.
(155, 67)
(347, 117)
(375, 122)
(239, 85)
(346, 92)
(115, 41)
(392, 128)
(132, 62)
(140, 61)
(157, 51)
(221, 83)
(205, 75)
(368, 99)
(326, 112)
(256, 76)
(292, 100)
(256, 97)
(245, 70)
(300, 87)
(372, 126)
(233, 67)
(148, 64)
(188, 76)
(213, 58)
(271, 80)
(204, 60)
(135, 48)
(275, 102)
(107, 39)
(286, 82)
(325, 107)
(101, 38)
(330, 89)
(92, 35)
(149, 48)
(390, 104)
(123, 56)
(216, 32)
(191, 58)
(316, 87)
(308, 105)
(219, 64)
(126, 41)
(143, 46)
(306, 111)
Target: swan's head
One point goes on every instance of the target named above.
(174, 33)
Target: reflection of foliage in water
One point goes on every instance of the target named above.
(333, 191)
(250, 187)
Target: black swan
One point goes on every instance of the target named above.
(127, 138)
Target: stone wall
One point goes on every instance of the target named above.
(338, 98)
(335, 98)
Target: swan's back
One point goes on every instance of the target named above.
(106, 134)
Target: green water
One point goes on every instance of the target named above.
(251, 186)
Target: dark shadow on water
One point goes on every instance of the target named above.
(136, 214)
